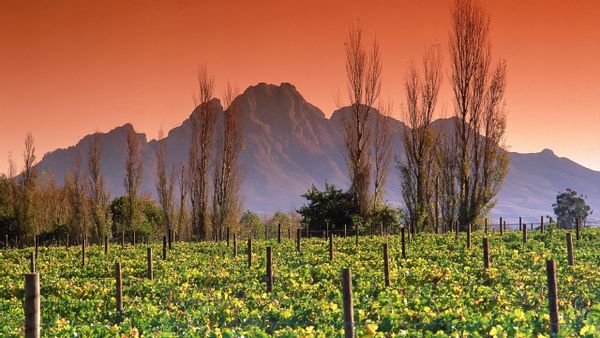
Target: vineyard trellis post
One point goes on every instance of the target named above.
(164, 247)
(119, 288)
(269, 269)
(542, 224)
(469, 236)
(249, 251)
(486, 253)
(149, 260)
(524, 233)
(279, 233)
(35, 239)
(331, 253)
(32, 263)
(386, 265)
(403, 242)
(105, 245)
(570, 257)
(501, 230)
(577, 229)
(552, 296)
(348, 304)
(32, 305)
(234, 245)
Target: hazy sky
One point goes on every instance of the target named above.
(69, 68)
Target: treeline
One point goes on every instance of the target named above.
(32, 204)
(450, 175)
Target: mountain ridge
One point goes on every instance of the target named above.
(291, 144)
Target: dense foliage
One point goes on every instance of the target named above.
(330, 206)
(202, 289)
(569, 207)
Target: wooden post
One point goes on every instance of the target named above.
(35, 239)
(486, 253)
(345, 230)
(6, 241)
(327, 228)
(289, 233)
(520, 224)
(234, 245)
(524, 233)
(356, 231)
(105, 245)
(485, 225)
(331, 247)
(570, 249)
(249, 252)
(32, 263)
(504, 225)
(386, 265)
(32, 305)
(279, 233)
(501, 230)
(348, 306)
(382, 230)
(134, 237)
(298, 237)
(577, 229)
(119, 288)
(542, 224)
(403, 242)
(164, 248)
(170, 239)
(269, 269)
(83, 252)
(149, 261)
(552, 296)
(227, 234)
(469, 236)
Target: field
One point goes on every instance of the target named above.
(201, 289)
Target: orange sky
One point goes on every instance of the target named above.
(68, 68)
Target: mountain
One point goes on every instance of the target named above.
(291, 144)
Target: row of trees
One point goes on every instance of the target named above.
(453, 177)
(448, 176)
(32, 206)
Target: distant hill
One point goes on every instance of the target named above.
(290, 144)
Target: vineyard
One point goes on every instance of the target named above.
(207, 289)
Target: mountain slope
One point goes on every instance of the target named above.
(290, 144)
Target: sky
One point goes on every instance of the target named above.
(70, 68)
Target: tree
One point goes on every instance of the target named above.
(24, 192)
(280, 219)
(331, 207)
(569, 207)
(99, 198)
(203, 123)
(478, 93)
(227, 172)
(75, 184)
(133, 177)
(363, 72)
(419, 139)
(164, 185)
(382, 148)
(183, 226)
(250, 224)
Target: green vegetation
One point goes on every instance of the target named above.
(201, 289)
(570, 207)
